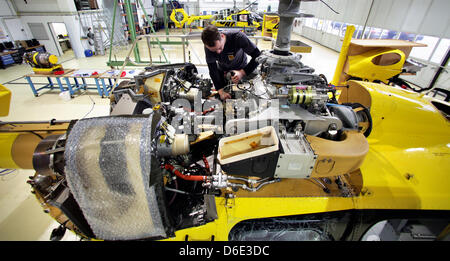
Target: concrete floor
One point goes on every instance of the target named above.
(21, 216)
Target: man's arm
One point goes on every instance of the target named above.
(249, 48)
(219, 80)
(251, 66)
(216, 77)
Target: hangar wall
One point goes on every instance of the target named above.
(45, 12)
(424, 21)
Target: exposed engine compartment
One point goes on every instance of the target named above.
(170, 147)
(191, 148)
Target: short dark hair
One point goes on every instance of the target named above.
(210, 35)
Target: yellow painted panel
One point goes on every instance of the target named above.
(363, 65)
(6, 143)
(5, 100)
(408, 163)
(251, 208)
(343, 55)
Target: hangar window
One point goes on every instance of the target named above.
(314, 23)
(424, 52)
(388, 34)
(327, 26)
(441, 51)
(358, 32)
(375, 33)
(366, 32)
(320, 25)
(309, 23)
(343, 30)
(407, 36)
(335, 27)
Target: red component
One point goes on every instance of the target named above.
(181, 175)
(206, 163)
(123, 74)
(58, 72)
(208, 110)
(94, 73)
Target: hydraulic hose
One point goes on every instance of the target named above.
(181, 175)
(206, 164)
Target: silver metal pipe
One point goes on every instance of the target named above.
(246, 187)
(320, 183)
(266, 183)
(177, 191)
(286, 11)
(237, 178)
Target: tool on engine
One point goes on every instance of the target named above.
(43, 63)
(229, 75)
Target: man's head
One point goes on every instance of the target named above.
(213, 39)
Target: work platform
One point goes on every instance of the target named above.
(74, 79)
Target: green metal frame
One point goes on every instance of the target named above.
(132, 28)
(132, 31)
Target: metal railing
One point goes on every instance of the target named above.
(185, 41)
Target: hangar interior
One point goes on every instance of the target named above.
(65, 60)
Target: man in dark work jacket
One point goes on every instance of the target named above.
(226, 52)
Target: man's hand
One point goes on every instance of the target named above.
(238, 74)
(224, 95)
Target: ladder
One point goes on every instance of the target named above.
(99, 21)
(129, 14)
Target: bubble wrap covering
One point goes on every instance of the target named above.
(108, 172)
